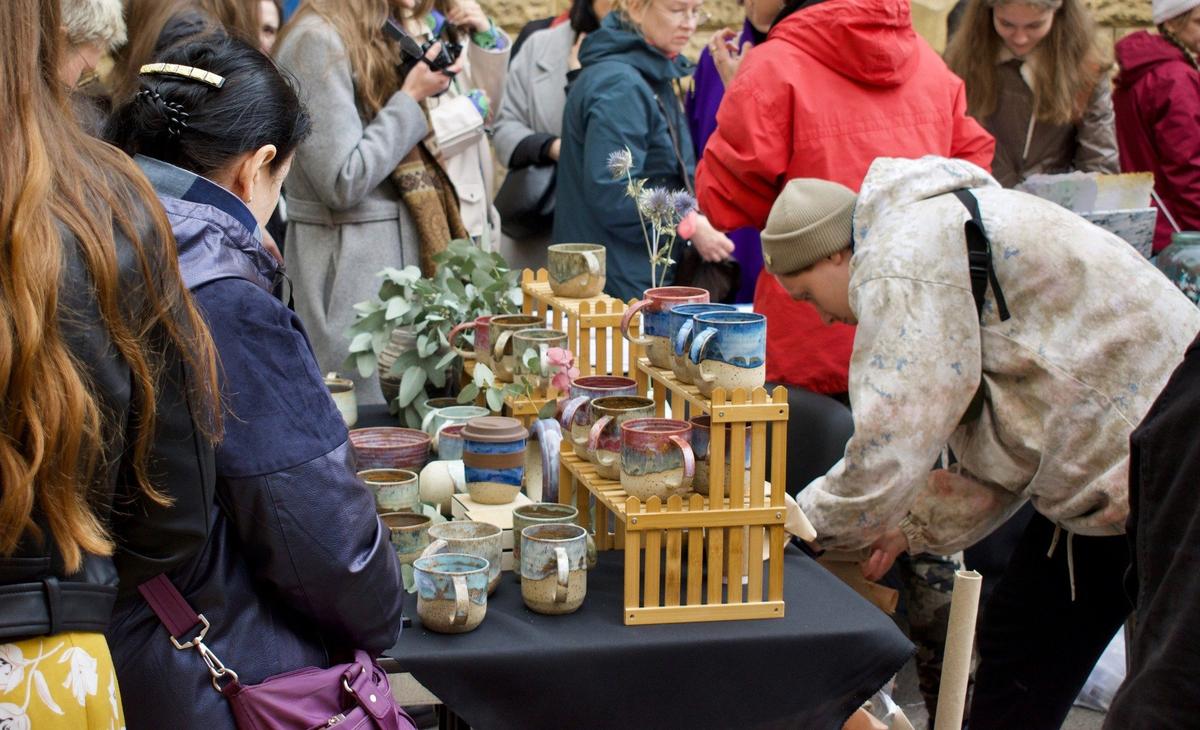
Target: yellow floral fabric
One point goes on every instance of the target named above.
(61, 681)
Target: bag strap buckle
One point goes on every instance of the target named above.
(199, 637)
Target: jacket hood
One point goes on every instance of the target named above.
(869, 41)
(893, 182)
(217, 235)
(617, 41)
(1138, 53)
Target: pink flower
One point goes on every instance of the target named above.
(559, 357)
(687, 227)
(563, 378)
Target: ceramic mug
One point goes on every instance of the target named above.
(553, 568)
(438, 418)
(604, 435)
(534, 342)
(656, 328)
(409, 534)
(450, 442)
(494, 458)
(395, 490)
(481, 339)
(545, 513)
(451, 591)
(471, 538)
(729, 351)
(656, 458)
(575, 418)
(681, 322)
(342, 392)
(701, 436)
(503, 327)
(576, 270)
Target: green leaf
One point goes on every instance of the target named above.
(398, 307)
(484, 377)
(495, 400)
(361, 342)
(468, 393)
(549, 410)
(365, 362)
(411, 384)
(437, 376)
(532, 361)
(446, 360)
(411, 417)
(407, 359)
(367, 307)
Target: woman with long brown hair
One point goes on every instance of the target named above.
(104, 364)
(364, 193)
(1037, 81)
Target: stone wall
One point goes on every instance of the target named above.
(1116, 17)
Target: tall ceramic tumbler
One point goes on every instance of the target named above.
(494, 458)
(655, 308)
(730, 351)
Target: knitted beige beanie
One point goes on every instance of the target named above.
(811, 219)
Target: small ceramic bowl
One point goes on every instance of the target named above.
(387, 447)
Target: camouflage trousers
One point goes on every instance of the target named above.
(926, 584)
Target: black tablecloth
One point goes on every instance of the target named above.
(808, 670)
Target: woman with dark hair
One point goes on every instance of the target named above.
(527, 130)
(1157, 103)
(108, 392)
(297, 570)
(1037, 80)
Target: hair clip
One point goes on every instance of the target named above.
(187, 72)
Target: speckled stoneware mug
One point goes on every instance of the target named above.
(342, 392)
(701, 438)
(655, 308)
(395, 490)
(481, 339)
(681, 321)
(536, 341)
(656, 458)
(409, 534)
(729, 351)
(503, 327)
(471, 538)
(576, 419)
(604, 434)
(576, 270)
(451, 591)
(553, 568)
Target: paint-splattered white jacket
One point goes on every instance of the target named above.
(1094, 334)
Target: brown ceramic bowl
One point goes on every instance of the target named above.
(388, 447)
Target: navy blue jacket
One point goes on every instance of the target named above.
(618, 100)
(297, 570)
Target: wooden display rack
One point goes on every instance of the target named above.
(697, 558)
(593, 326)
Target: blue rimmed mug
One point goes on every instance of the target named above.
(729, 351)
(655, 308)
(452, 591)
(681, 322)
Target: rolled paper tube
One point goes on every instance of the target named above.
(960, 639)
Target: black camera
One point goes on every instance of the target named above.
(414, 52)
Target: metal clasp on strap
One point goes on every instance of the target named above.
(199, 637)
(215, 667)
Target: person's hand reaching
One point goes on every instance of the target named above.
(884, 552)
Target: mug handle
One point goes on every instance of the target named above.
(550, 437)
(689, 461)
(498, 353)
(564, 575)
(433, 442)
(428, 417)
(628, 318)
(462, 600)
(681, 338)
(593, 441)
(593, 262)
(458, 330)
(592, 557)
(570, 408)
(437, 546)
(699, 347)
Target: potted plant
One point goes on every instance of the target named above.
(403, 331)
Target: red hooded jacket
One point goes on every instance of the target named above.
(1157, 103)
(834, 86)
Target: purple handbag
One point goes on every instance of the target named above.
(355, 696)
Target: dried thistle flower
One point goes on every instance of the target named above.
(683, 202)
(657, 204)
(620, 163)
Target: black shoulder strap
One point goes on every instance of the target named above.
(979, 257)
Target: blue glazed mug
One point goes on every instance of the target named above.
(494, 458)
(681, 322)
(701, 434)
(656, 308)
(553, 567)
(451, 591)
(729, 351)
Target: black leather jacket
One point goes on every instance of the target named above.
(297, 569)
(37, 596)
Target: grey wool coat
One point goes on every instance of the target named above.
(346, 220)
